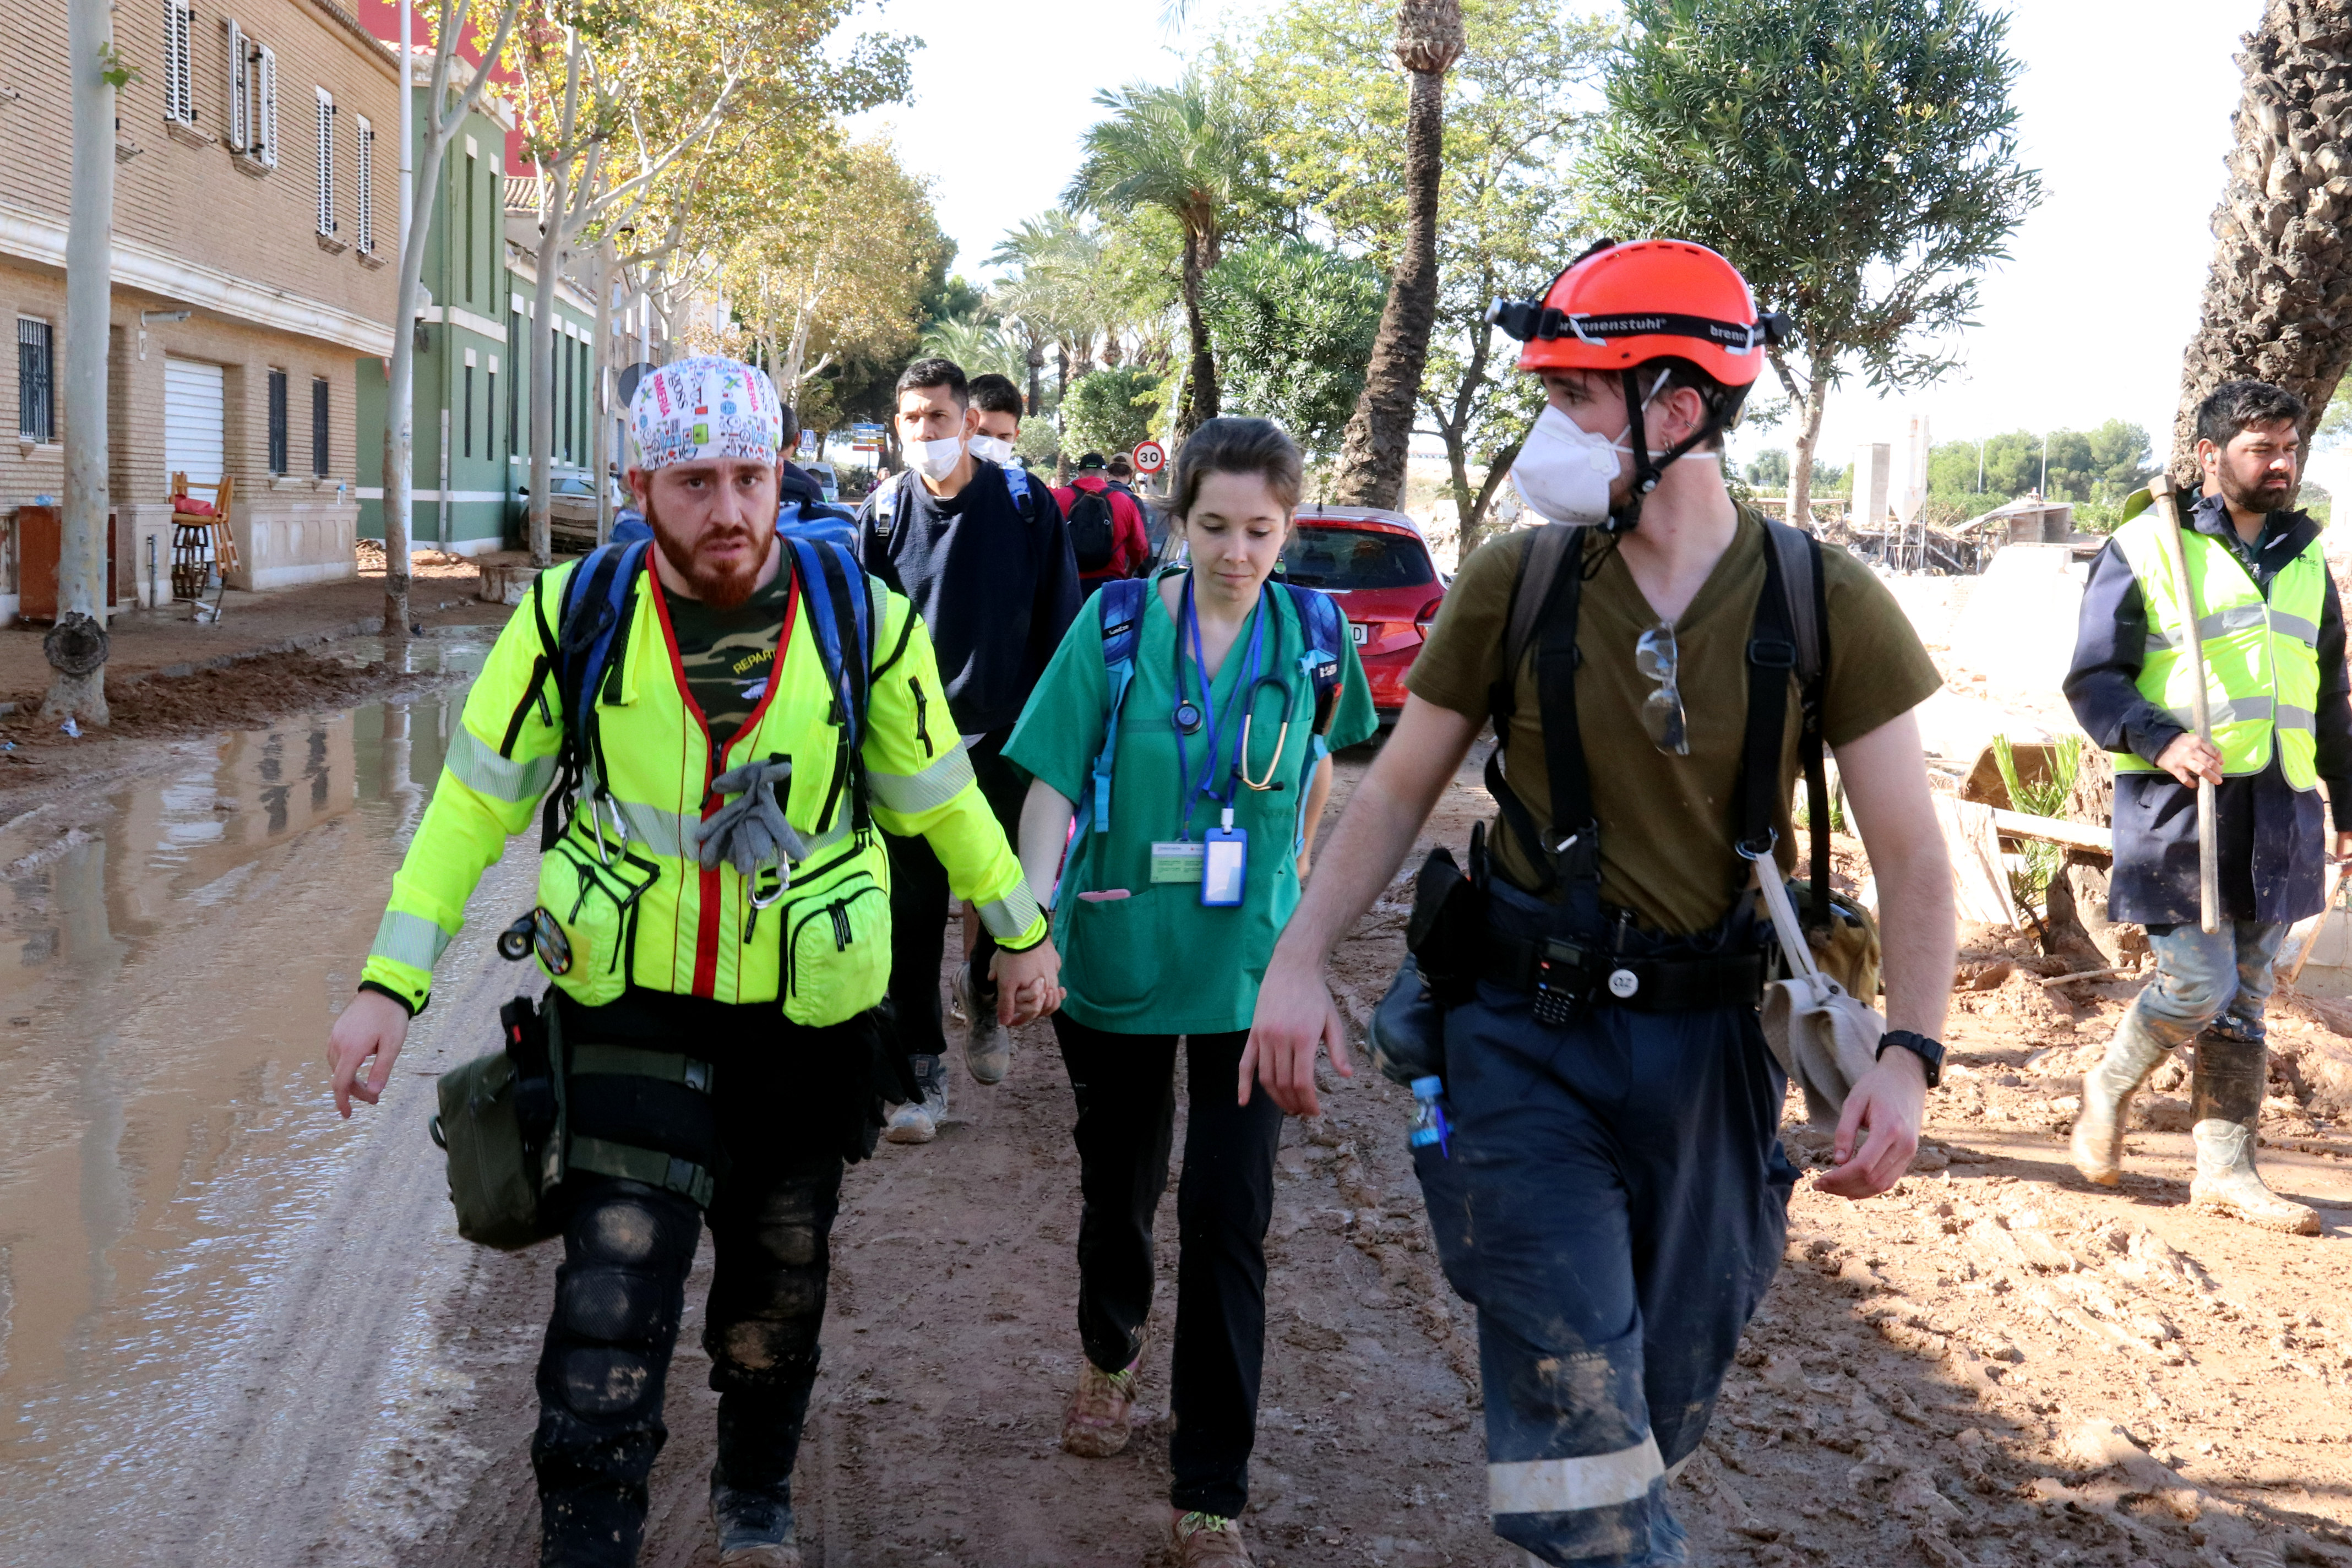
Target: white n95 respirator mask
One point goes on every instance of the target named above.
(1563, 471)
(936, 459)
(988, 447)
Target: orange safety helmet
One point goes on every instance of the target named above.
(1618, 305)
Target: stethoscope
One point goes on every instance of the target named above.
(1189, 717)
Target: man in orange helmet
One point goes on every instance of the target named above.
(1598, 1142)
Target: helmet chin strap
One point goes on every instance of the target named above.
(1648, 468)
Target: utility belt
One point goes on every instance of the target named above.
(507, 1122)
(1568, 977)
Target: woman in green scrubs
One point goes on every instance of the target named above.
(1166, 918)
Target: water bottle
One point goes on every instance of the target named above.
(1429, 1123)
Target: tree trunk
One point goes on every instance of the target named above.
(550, 263)
(2278, 302)
(76, 645)
(1800, 462)
(1201, 381)
(1379, 436)
(599, 404)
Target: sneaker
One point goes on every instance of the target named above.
(917, 1121)
(1094, 1426)
(1207, 1540)
(987, 1048)
(755, 1531)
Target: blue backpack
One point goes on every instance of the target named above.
(1121, 603)
(578, 654)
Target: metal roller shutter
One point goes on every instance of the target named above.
(193, 400)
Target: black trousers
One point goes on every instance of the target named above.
(781, 1114)
(1126, 1090)
(918, 902)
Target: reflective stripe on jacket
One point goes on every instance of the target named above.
(2261, 653)
(623, 882)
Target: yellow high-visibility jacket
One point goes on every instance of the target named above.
(624, 882)
(2263, 653)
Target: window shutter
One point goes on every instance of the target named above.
(363, 197)
(179, 99)
(325, 163)
(267, 95)
(240, 102)
(319, 426)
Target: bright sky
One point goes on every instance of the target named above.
(2124, 108)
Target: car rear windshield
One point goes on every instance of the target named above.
(1344, 559)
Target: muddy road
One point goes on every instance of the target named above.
(235, 1329)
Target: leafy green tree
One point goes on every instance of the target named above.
(1855, 159)
(1187, 151)
(1110, 410)
(1770, 471)
(1322, 78)
(977, 344)
(1294, 324)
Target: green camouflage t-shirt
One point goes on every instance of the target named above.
(727, 655)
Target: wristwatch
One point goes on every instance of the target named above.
(1929, 1052)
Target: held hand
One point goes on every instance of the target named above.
(1026, 983)
(2188, 758)
(1305, 861)
(2343, 842)
(1883, 1115)
(374, 1025)
(1295, 1015)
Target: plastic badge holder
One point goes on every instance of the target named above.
(1227, 867)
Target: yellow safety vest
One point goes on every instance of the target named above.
(625, 883)
(2262, 655)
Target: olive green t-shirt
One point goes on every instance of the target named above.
(1153, 959)
(1668, 823)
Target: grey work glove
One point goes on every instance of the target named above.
(749, 831)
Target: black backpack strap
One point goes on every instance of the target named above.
(1532, 589)
(1805, 594)
(1790, 616)
(1545, 599)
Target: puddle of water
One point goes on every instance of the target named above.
(167, 978)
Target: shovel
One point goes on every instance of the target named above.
(2208, 838)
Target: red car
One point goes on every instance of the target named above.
(1378, 566)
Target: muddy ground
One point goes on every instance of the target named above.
(1994, 1365)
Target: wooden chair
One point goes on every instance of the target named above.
(202, 546)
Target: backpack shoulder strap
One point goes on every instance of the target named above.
(1120, 608)
(1545, 595)
(1789, 637)
(1532, 590)
(842, 621)
(1016, 480)
(1325, 628)
(1799, 555)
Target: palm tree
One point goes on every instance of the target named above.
(1186, 151)
(1372, 452)
(2278, 303)
(977, 345)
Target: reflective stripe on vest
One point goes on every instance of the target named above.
(2261, 657)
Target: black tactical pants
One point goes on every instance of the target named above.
(780, 1120)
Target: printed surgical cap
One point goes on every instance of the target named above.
(705, 407)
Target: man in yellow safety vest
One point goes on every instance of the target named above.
(2260, 595)
(715, 912)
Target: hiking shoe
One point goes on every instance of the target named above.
(917, 1121)
(1207, 1540)
(755, 1529)
(1094, 1426)
(987, 1046)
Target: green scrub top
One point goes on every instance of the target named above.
(1157, 962)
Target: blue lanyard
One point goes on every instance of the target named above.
(1207, 786)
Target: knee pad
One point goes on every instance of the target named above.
(612, 1306)
(635, 1226)
(787, 1230)
(762, 1357)
(600, 1381)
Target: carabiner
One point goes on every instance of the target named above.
(596, 826)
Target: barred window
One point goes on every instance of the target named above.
(364, 193)
(278, 422)
(325, 163)
(36, 400)
(319, 408)
(179, 84)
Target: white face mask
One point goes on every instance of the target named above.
(1563, 471)
(992, 449)
(936, 459)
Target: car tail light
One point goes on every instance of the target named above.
(1428, 613)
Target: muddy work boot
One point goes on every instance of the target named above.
(755, 1529)
(2107, 1089)
(1097, 1423)
(2226, 1101)
(1207, 1540)
(917, 1121)
(987, 1046)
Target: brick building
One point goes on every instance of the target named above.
(254, 203)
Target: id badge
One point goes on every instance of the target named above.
(1227, 868)
(1176, 860)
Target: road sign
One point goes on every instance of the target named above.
(1149, 458)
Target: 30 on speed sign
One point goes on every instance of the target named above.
(1149, 457)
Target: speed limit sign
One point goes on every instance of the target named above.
(1149, 458)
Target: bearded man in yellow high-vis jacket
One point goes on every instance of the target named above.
(2260, 597)
(715, 915)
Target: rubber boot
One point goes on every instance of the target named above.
(2226, 1101)
(2107, 1089)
